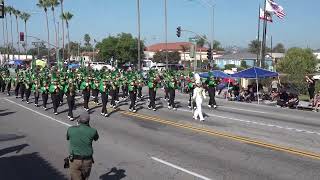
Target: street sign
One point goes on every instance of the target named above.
(38, 43)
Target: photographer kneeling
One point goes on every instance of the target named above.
(80, 148)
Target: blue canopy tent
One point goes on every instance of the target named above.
(73, 66)
(215, 73)
(16, 62)
(255, 73)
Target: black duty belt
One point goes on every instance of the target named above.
(77, 157)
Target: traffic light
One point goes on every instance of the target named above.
(209, 54)
(179, 31)
(21, 36)
(1, 9)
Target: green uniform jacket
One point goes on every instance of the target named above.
(101, 88)
(84, 85)
(80, 139)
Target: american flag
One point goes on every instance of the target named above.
(266, 16)
(275, 8)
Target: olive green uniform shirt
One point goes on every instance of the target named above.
(80, 139)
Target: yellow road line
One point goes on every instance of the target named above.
(225, 135)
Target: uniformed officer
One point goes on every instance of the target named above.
(55, 90)
(70, 91)
(152, 85)
(172, 93)
(211, 85)
(104, 91)
(36, 92)
(85, 87)
(80, 148)
(132, 87)
(95, 91)
(45, 94)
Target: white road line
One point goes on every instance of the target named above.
(261, 112)
(259, 123)
(180, 168)
(53, 119)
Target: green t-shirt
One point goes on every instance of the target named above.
(80, 139)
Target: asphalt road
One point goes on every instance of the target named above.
(237, 141)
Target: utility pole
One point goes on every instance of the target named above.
(212, 35)
(139, 37)
(166, 31)
(79, 50)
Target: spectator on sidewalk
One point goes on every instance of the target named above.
(316, 102)
(284, 99)
(311, 86)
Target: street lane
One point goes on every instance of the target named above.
(129, 143)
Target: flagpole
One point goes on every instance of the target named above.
(258, 37)
(262, 47)
(264, 36)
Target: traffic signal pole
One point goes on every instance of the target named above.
(179, 30)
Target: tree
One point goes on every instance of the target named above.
(217, 46)
(173, 57)
(62, 22)
(244, 64)
(254, 46)
(67, 16)
(41, 53)
(25, 17)
(229, 66)
(201, 41)
(74, 48)
(122, 47)
(6, 30)
(279, 48)
(17, 14)
(298, 63)
(54, 4)
(10, 11)
(87, 40)
(44, 4)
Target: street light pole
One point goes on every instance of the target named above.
(166, 31)
(212, 31)
(139, 37)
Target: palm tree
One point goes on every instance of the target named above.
(10, 11)
(61, 2)
(25, 17)
(67, 16)
(17, 14)
(7, 33)
(54, 4)
(44, 4)
(4, 36)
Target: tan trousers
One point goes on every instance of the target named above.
(80, 169)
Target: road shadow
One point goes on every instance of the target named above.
(114, 174)
(6, 113)
(10, 137)
(16, 149)
(28, 166)
(113, 111)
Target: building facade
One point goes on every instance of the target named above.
(237, 58)
(182, 47)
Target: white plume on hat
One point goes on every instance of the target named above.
(197, 78)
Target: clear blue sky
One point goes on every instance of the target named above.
(235, 20)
